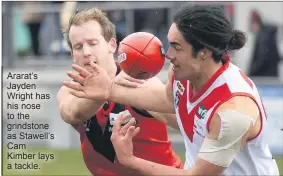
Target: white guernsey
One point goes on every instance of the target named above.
(233, 127)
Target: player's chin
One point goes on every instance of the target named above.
(177, 76)
(178, 79)
(180, 76)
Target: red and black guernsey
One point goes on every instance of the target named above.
(151, 143)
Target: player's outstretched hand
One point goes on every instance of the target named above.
(125, 80)
(95, 85)
(122, 139)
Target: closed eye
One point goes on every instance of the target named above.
(92, 42)
(176, 45)
(77, 47)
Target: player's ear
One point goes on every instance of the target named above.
(204, 54)
(112, 45)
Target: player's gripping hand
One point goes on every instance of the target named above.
(122, 138)
(95, 85)
(125, 80)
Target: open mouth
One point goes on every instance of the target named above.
(175, 67)
(88, 64)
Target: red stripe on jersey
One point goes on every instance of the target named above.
(246, 78)
(261, 125)
(193, 98)
(225, 99)
(208, 102)
(187, 120)
(263, 107)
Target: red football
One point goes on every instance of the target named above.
(141, 55)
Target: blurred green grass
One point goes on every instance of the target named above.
(67, 162)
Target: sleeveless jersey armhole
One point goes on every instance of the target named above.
(227, 99)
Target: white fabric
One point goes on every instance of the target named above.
(255, 157)
(233, 127)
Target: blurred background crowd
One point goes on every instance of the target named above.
(33, 30)
(33, 42)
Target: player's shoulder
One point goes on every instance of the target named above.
(231, 109)
(239, 99)
(242, 104)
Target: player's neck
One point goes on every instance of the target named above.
(206, 72)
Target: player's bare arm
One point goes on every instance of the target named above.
(239, 116)
(125, 80)
(76, 110)
(152, 95)
(234, 123)
(166, 118)
(98, 85)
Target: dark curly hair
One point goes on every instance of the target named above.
(205, 26)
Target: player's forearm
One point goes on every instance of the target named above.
(76, 110)
(146, 167)
(150, 98)
(168, 119)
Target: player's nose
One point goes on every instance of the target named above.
(87, 51)
(169, 55)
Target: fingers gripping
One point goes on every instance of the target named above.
(73, 85)
(117, 125)
(76, 89)
(124, 129)
(125, 80)
(123, 124)
(132, 132)
(83, 72)
(128, 83)
(140, 81)
(78, 94)
(76, 77)
(96, 68)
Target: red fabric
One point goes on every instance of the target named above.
(193, 98)
(151, 143)
(208, 102)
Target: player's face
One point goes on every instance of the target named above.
(180, 53)
(255, 27)
(88, 44)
